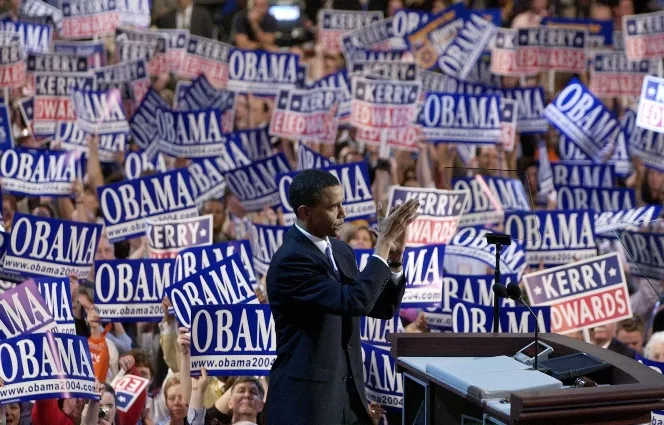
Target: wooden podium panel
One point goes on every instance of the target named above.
(628, 390)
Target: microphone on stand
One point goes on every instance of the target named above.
(514, 292)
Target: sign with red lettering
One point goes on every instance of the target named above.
(551, 49)
(383, 105)
(651, 105)
(12, 65)
(583, 294)
(127, 390)
(332, 24)
(88, 18)
(503, 53)
(53, 100)
(209, 57)
(613, 75)
(306, 115)
(644, 36)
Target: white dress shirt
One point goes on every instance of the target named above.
(183, 18)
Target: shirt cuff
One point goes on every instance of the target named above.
(196, 415)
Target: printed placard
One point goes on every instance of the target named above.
(202, 94)
(100, 111)
(257, 71)
(651, 105)
(67, 373)
(34, 37)
(233, 340)
(176, 47)
(600, 32)
(381, 105)
(643, 35)
(375, 331)
(645, 249)
(128, 389)
(6, 133)
(57, 295)
(386, 70)
(551, 49)
(468, 317)
(554, 237)
(23, 311)
(460, 118)
(138, 162)
(207, 174)
(503, 53)
(167, 238)
(439, 213)
(134, 12)
(613, 75)
(489, 198)
(583, 294)
(144, 119)
(154, 53)
(382, 382)
(437, 82)
(95, 51)
(88, 18)
(192, 260)
(42, 11)
(56, 62)
(607, 222)
(340, 83)
(460, 56)
(40, 172)
(599, 200)
(12, 65)
(405, 138)
(191, 134)
(70, 137)
(131, 290)
(53, 101)
(305, 115)
(265, 240)
(308, 158)
(530, 109)
(407, 20)
(161, 196)
(332, 24)
(584, 119)
(207, 57)
(583, 174)
(375, 36)
(423, 270)
(223, 283)
(40, 246)
(255, 184)
(131, 76)
(256, 142)
(358, 201)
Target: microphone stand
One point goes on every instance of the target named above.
(498, 239)
(536, 331)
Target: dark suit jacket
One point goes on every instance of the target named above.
(620, 348)
(201, 22)
(309, 307)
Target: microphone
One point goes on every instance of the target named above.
(514, 292)
(499, 290)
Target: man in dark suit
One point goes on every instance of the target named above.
(317, 296)
(188, 16)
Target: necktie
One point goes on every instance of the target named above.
(328, 252)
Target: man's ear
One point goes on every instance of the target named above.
(303, 213)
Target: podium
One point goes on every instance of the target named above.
(435, 368)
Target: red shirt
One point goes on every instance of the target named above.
(47, 412)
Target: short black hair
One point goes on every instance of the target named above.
(306, 187)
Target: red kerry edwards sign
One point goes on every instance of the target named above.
(651, 105)
(53, 102)
(306, 115)
(583, 294)
(380, 105)
(333, 24)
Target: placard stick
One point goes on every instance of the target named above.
(552, 82)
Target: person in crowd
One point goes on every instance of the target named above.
(221, 226)
(654, 349)
(67, 411)
(107, 406)
(188, 16)
(604, 336)
(529, 13)
(12, 412)
(255, 28)
(631, 333)
(177, 409)
(313, 380)
(357, 236)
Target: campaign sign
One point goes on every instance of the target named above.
(70, 137)
(202, 94)
(387, 70)
(555, 237)
(375, 36)
(255, 142)
(257, 71)
(437, 82)
(88, 18)
(381, 105)
(207, 57)
(41, 246)
(439, 213)
(176, 47)
(358, 201)
(651, 105)
(167, 238)
(207, 174)
(12, 65)
(134, 12)
(6, 133)
(265, 240)
(545, 186)
(143, 122)
(223, 283)
(489, 198)
(583, 294)
(508, 116)
(332, 24)
(375, 331)
(31, 172)
(100, 111)
(192, 260)
(632, 219)
(404, 138)
(643, 35)
(308, 158)
(382, 382)
(339, 82)
(128, 389)
(599, 200)
(137, 163)
(583, 174)
(372, 55)
(27, 108)
(551, 49)
(95, 51)
(163, 196)
(503, 53)
(23, 310)
(600, 32)
(190, 134)
(656, 366)
(584, 119)
(42, 11)
(53, 101)
(423, 270)
(469, 317)
(461, 55)
(657, 417)
(460, 118)
(305, 115)
(57, 294)
(613, 75)
(131, 290)
(56, 62)
(530, 109)
(131, 76)
(6, 286)
(646, 250)
(154, 53)
(231, 340)
(34, 37)
(47, 365)
(407, 20)
(255, 184)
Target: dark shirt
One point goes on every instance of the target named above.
(268, 24)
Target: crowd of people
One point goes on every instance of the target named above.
(160, 352)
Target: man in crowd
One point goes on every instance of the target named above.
(255, 28)
(188, 16)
